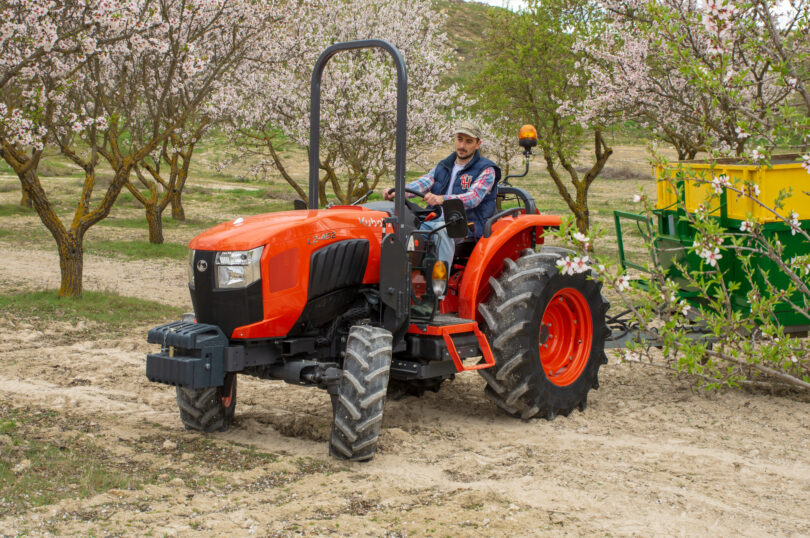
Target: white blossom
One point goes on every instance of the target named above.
(711, 256)
(741, 134)
(720, 182)
(794, 223)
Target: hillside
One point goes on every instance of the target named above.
(466, 24)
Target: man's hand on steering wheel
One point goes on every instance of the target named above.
(430, 198)
(434, 199)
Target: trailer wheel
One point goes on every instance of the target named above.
(547, 331)
(358, 405)
(208, 409)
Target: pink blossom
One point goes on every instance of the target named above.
(795, 225)
(746, 226)
(566, 266)
(720, 182)
(580, 265)
(582, 239)
(628, 356)
(741, 134)
(711, 256)
(573, 266)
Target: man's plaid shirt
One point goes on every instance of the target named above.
(470, 198)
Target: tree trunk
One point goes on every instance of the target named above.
(582, 216)
(178, 213)
(154, 218)
(71, 263)
(25, 200)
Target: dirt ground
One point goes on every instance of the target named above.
(648, 457)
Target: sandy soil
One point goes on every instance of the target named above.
(648, 456)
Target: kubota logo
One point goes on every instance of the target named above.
(321, 237)
(371, 223)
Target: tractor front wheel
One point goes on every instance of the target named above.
(358, 405)
(547, 332)
(208, 409)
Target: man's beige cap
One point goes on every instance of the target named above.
(468, 128)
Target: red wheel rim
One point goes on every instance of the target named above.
(566, 334)
(226, 400)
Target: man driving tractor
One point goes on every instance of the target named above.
(464, 175)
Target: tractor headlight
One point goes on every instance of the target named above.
(190, 267)
(439, 278)
(239, 268)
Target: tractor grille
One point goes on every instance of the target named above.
(227, 309)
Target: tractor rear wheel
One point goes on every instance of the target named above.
(358, 405)
(208, 409)
(547, 331)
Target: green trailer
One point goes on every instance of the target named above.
(685, 186)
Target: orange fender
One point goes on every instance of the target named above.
(509, 236)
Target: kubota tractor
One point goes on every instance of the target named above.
(353, 300)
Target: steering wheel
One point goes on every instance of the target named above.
(417, 210)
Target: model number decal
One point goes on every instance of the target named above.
(321, 237)
(371, 223)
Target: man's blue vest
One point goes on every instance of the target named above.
(464, 180)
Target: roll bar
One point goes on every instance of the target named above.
(402, 110)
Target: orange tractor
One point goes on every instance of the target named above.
(353, 300)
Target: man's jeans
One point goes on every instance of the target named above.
(447, 246)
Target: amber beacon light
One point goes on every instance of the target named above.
(527, 136)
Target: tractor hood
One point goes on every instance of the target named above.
(312, 226)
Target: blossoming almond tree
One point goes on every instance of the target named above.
(50, 46)
(358, 94)
(708, 75)
(217, 40)
(48, 42)
(98, 97)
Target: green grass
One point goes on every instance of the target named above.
(71, 468)
(139, 223)
(138, 250)
(35, 235)
(11, 210)
(64, 462)
(102, 307)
